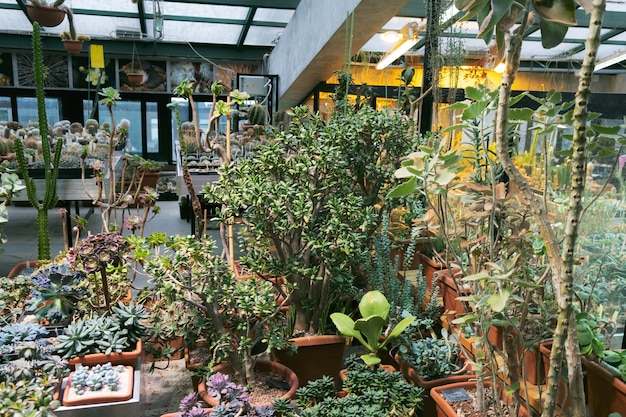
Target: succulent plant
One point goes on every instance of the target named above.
(21, 332)
(433, 358)
(77, 339)
(56, 293)
(97, 377)
(257, 114)
(131, 319)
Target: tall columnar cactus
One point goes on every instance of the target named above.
(51, 162)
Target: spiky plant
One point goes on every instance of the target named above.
(51, 161)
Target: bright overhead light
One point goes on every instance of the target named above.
(391, 36)
(610, 60)
(500, 67)
(408, 41)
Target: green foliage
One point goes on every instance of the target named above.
(374, 309)
(433, 358)
(368, 393)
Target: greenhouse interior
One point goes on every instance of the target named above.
(306, 208)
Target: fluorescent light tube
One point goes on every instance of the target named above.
(398, 50)
(611, 60)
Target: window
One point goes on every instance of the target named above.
(27, 110)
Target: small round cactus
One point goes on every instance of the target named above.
(257, 114)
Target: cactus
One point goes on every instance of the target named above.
(92, 126)
(51, 160)
(4, 148)
(257, 114)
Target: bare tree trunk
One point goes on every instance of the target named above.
(562, 265)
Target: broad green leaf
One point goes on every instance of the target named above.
(399, 328)
(473, 93)
(498, 301)
(474, 110)
(521, 114)
(374, 303)
(558, 11)
(552, 33)
(403, 189)
(501, 9)
(371, 327)
(609, 130)
(444, 177)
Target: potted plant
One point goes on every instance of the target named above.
(46, 14)
(102, 383)
(232, 316)
(72, 41)
(190, 406)
(30, 372)
(99, 339)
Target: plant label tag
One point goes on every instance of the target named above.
(455, 395)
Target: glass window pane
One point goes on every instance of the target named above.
(5, 109)
(131, 111)
(27, 110)
(152, 121)
(183, 108)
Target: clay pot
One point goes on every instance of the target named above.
(316, 356)
(48, 16)
(428, 406)
(124, 358)
(23, 268)
(606, 393)
(124, 392)
(135, 77)
(449, 290)
(445, 409)
(73, 46)
(260, 365)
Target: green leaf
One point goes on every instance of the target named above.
(474, 110)
(371, 327)
(609, 130)
(521, 114)
(444, 177)
(558, 11)
(344, 324)
(498, 301)
(552, 33)
(403, 189)
(399, 328)
(374, 303)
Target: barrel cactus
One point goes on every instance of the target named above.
(257, 114)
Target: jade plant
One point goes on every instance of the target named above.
(368, 330)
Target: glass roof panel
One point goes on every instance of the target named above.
(217, 33)
(273, 15)
(262, 35)
(108, 5)
(534, 50)
(204, 10)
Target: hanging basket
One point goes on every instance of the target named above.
(48, 16)
(73, 46)
(135, 77)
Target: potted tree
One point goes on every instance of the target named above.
(233, 316)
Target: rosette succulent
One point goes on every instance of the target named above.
(103, 254)
(56, 293)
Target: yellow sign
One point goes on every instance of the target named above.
(96, 53)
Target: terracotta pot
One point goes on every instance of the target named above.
(73, 46)
(606, 393)
(135, 77)
(124, 392)
(48, 16)
(125, 358)
(428, 406)
(26, 266)
(444, 409)
(316, 356)
(449, 291)
(260, 365)
(563, 398)
(178, 414)
(429, 267)
(176, 343)
(193, 366)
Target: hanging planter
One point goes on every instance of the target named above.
(48, 16)
(73, 46)
(135, 77)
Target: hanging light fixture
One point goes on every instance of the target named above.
(157, 10)
(408, 40)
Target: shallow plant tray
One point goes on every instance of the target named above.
(124, 391)
(128, 408)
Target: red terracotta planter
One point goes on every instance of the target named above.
(428, 407)
(606, 393)
(124, 358)
(316, 356)
(429, 268)
(124, 392)
(444, 409)
(73, 46)
(449, 291)
(48, 16)
(260, 365)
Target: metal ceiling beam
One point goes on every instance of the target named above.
(246, 26)
(142, 17)
(274, 4)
